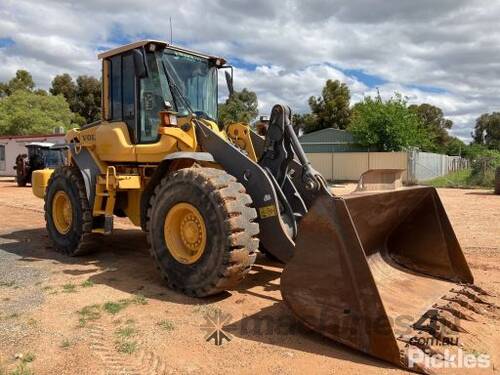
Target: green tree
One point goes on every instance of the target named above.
(83, 97)
(22, 81)
(487, 130)
(387, 125)
(241, 106)
(303, 121)
(64, 85)
(3, 89)
(454, 146)
(484, 163)
(88, 98)
(41, 92)
(24, 112)
(437, 126)
(331, 109)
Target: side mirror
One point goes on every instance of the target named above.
(229, 82)
(139, 64)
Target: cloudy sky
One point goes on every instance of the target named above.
(443, 52)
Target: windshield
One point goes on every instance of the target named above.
(53, 158)
(196, 79)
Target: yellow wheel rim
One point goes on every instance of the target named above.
(62, 212)
(185, 233)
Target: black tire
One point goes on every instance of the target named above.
(21, 171)
(21, 182)
(229, 218)
(78, 240)
(268, 255)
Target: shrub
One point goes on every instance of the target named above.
(483, 170)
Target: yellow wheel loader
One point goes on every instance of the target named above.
(372, 270)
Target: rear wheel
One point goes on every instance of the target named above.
(202, 231)
(21, 181)
(67, 212)
(21, 177)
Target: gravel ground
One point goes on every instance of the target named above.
(20, 291)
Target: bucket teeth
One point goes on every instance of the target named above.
(422, 341)
(471, 295)
(443, 328)
(463, 302)
(421, 369)
(450, 321)
(438, 332)
(478, 289)
(456, 310)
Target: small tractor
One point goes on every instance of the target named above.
(210, 198)
(40, 155)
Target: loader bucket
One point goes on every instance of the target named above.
(379, 271)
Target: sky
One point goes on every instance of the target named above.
(442, 52)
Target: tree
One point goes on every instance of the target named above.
(64, 85)
(387, 125)
(331, 109)
(487, 130)
(22, 81)
(3, 89)
(84, 96)
(25, 112)
(88, 95)
(432, 118)
(303, 121)
(41, 92)
(454, 146)
(241, 106)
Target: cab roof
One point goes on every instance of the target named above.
(145, 43)
(40, 144)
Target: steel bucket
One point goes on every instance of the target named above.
(379, 271)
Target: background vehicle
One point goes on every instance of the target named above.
(40, 155)
(209, 198)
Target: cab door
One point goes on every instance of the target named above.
(116, 137)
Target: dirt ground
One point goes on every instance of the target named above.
(110, 312)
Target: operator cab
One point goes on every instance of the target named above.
(143, 78)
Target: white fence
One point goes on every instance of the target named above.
(424, 166)
(419, 166)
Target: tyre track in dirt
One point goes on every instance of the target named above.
(144, 362)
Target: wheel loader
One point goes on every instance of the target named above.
(380, 271)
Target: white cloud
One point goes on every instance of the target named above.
(448, 44)
(275, 84)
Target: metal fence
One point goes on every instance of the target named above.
(419, 166)
(424, 166)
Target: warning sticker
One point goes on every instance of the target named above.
(267, 211)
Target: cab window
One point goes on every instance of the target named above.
(137, 102)
(122, 91)
(153, 93)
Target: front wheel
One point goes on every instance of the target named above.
(202, 231)
(67, 212)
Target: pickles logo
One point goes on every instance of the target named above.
(214, 327)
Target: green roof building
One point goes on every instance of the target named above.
(330, 140)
